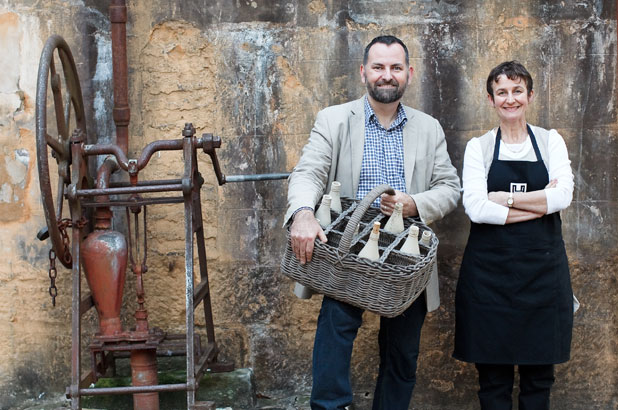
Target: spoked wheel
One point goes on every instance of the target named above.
(67, 106)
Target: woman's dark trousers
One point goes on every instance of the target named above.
(496, 386)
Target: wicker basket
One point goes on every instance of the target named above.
(386, 287)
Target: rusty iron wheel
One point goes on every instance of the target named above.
(68, 110)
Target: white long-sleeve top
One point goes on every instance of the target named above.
(477, 161)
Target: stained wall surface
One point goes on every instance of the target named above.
(256, 72)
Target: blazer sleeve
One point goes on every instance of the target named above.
(444, 187)
(309, 177)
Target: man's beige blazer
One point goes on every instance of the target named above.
(335, 153)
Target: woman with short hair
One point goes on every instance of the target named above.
(514, 303)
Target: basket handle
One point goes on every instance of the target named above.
(346, 239)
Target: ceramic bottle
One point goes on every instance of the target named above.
(323, 212)
(395, 222)
(426, 239)
(370, 250)
(335, 194)
(411, 244)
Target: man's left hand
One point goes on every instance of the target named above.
(387, 204)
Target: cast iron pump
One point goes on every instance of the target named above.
(79, 196)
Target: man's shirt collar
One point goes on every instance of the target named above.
(370, 115)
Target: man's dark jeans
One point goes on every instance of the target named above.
(399, 339)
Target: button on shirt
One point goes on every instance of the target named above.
(382, 154)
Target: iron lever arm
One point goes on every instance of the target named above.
(210, 143)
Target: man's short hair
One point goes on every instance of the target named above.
(512, 70)
(388, 40)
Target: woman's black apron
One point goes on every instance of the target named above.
(514, 303)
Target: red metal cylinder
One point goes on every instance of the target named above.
(104, 259)
(144, 373)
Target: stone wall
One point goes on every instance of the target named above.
(256, 72)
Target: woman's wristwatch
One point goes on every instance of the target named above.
(509, 201)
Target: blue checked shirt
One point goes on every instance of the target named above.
(382, 154)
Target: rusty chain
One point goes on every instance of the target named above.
(62, 227)
(53, 272)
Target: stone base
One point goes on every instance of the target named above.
(227, 390)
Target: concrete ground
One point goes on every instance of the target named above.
(230, 391)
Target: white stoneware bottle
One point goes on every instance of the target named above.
(323, 212)
(426, 239)
(411, 244)
(335, 194)
(395, 222)
(370, 250)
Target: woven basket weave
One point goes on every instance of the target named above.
(387, 286)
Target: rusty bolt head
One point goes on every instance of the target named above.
(77, 137)
(132, 167)
(189, 130)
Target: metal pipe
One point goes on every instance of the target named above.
(146, 183)
(144, 373)
(256, 177)
(128, 190)
(122, 112)
(105, 173)
(110, 149)
(103, 214)
(121, 157)
(189, 171)
(76, 324)
(164, 145)
(135, 202)
(132, 389)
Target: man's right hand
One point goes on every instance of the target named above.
(305, 228)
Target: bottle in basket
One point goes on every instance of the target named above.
(395, 222)
(411, 244)
(323, 212)
(370, 250)
(426, 239)
(335, 194)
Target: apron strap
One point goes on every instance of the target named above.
(537, 152)
(534, 143)
(497, 144)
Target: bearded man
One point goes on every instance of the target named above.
(364, 143)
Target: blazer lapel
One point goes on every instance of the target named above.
(410, 145)
(357, 140)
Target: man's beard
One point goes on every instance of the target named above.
(386, 95)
